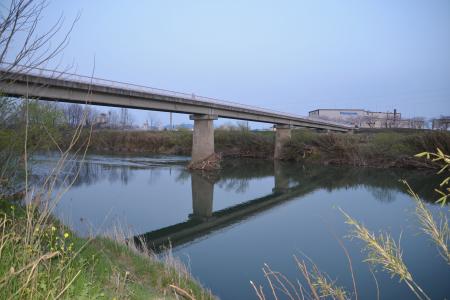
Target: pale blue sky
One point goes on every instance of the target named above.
(292, 56)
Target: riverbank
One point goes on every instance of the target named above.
(375, 148)
(40, 258)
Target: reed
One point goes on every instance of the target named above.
(317, 286)
(438, 231)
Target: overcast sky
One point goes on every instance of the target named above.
(292, 56)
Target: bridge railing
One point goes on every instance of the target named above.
(67, 76)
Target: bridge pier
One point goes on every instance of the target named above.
(282, 135)
(202, 197)
(203, 137)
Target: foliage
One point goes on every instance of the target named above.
(29, 123)
(37, 260)
(444, 159)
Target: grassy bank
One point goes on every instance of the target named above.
(384, 148)
(230, 143)
(41, 259)
(378, 148)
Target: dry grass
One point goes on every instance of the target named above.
(317, 286)
(173, 279)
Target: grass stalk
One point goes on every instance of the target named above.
(384, 251)
(438, 233)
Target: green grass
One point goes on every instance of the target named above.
(43, 259)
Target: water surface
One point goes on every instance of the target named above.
(226, 225)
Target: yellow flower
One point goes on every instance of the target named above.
(66, 235)
(53, 228)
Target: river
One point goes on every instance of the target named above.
(225, 225)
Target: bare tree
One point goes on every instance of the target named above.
(154, 121)
(73, 114)
(91, 115)
(22, 46)
(243, 125)
(126, 119)
(123, 117)
(113, 119)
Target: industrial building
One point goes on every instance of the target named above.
(442, 123)
(367, 119)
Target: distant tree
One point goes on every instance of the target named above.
(91, 114)
(44, 121)
(152, 119)
(227, 126)
(113, 119)
(73, 114)
(243, 125)
(126, 119)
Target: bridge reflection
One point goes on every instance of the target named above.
(203, 220)
(289, 183)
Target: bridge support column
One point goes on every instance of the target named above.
(282, 135)
(202, 197)
(203, 137)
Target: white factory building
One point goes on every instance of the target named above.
(367, 119)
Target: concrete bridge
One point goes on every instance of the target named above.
(65, 87)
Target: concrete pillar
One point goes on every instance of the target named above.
(281, 180)
(203, 137)
(282, 135)
(202, 197)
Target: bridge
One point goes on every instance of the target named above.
(53, 85)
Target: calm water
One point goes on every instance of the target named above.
(226, 225)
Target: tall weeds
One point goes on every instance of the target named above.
(37, 257)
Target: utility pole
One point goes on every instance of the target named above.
(170, 126)
(395, 117)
